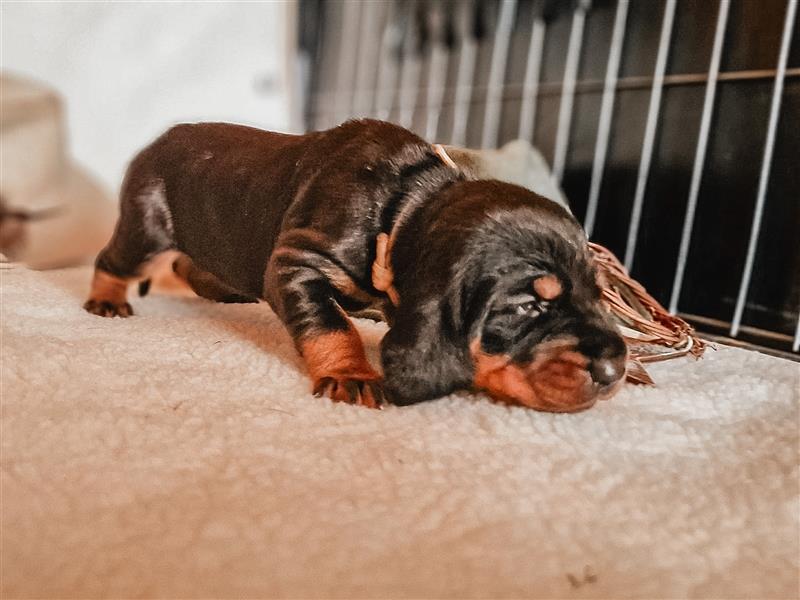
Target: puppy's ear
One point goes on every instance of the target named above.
(423, 358)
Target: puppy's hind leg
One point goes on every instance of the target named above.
(207, 285)
(144, 229)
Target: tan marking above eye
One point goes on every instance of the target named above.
(547, 287)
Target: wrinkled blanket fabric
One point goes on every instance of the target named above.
(180, 453)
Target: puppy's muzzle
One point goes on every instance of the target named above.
(567, 373)
(600, 353)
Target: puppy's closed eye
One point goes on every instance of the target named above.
(527, 304)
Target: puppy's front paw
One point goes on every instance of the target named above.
(106, 308)
(562, 383)
(340, 370)
(363, 390)
(557, 382)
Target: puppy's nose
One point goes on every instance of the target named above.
(606, 371)
(606, 352)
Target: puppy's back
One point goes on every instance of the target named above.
(224, 189)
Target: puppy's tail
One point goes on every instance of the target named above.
(144, 287)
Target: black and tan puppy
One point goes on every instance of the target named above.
(485, 285)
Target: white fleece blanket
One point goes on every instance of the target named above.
(179, 453)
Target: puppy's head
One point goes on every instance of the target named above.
(499, 292)
(539, 334)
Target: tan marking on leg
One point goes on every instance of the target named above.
(108, 287)
(339, 367)
(334, 353)
(108, 296)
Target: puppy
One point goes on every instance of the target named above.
(485, 285)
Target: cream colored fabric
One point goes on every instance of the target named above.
(179, 453)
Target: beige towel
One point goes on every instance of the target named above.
(179, 453)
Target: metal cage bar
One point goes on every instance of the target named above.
(766, 164)
(346, 72)
(466, 73)
(437, 73)
(497, 73)
(700, 153)
(606, 114)
(388, 66)
(650, 130)
(367, 69)
(530, 85)
(410, 73)
(568, 91)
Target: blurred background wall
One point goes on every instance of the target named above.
(126, 71)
